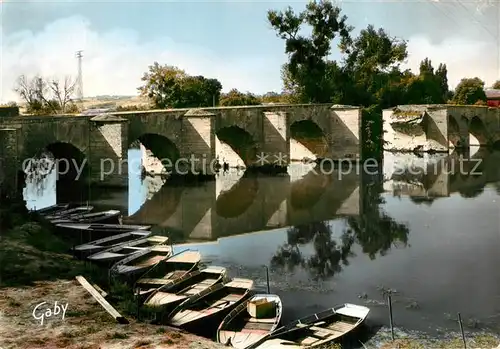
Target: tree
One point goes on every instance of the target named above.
(469, 91)
(170, 87)
(496, 85)
(44, 96)
(308, 70)
(235, 97)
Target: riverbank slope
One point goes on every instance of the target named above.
(35, 268)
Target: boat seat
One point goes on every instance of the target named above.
(153, 281)
(231, 298)
(206, 282)
(262, 321)
(309, 341)
(341, 326)
(323, 329)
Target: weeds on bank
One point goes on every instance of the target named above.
(31, 252)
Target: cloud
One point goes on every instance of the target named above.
(114, 61)
(464, 58)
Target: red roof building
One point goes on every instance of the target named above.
(492, 97)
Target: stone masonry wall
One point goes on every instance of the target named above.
(8, 160)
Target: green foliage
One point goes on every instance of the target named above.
(274, 97)
(496, 85)
(134, 107)
(469, 91)
(368, 74)
(235, 98)
(170, 87)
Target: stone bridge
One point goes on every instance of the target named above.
(102, 142)
(243, 204)
(440, 127)
(445, 175)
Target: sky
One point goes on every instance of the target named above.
(228, 40)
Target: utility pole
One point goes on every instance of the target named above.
(79, 82)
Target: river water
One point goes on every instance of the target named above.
(426, 229)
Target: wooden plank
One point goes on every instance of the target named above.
(100, 290)
(97, 296)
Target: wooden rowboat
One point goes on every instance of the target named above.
(168, 296)
(241, 329)
(110, 216)
(141, 261)
(117, 253)
(168, 270)
(109, 242)
(316, 330)
(211, 305)
(52, 209)
(69, 212)
(101, 228)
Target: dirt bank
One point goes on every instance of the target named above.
(85, 325)
(35, 267)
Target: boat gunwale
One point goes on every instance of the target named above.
(168, 287)
(233, 314)
(193, 266)
(192, 300)
(292, 326)
(96, 243)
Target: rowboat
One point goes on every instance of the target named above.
(250, 321)
(168, 296)
(52, 209)
(316, 330)
(141, 261)
(118, 253)
(87, 232)
(101, 228)
(109, 242)
(171, 269)
(69, 212)
(109, 216)
(210, 305)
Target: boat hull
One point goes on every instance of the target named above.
(240, 329)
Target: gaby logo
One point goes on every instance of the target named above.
(42, 311)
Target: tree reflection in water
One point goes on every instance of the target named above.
(374, 231)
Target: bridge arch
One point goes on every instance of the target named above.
(309, 134)
(478, 130)
(162, 148)
(238, 199)
(67, 160)
(240, 141)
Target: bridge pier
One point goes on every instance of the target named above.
(107, 153)
(197, 148)
(275, 140)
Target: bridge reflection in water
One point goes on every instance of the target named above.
(431, 177)
(237, 203)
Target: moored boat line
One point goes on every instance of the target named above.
(184, 294)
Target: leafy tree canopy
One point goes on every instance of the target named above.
(235, 97)
(170, 87)
(469, 91)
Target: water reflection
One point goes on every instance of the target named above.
(327, 233)
(329, 254)
(237, 203)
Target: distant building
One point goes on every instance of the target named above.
(493, 97)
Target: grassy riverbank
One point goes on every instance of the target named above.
(35, 267)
